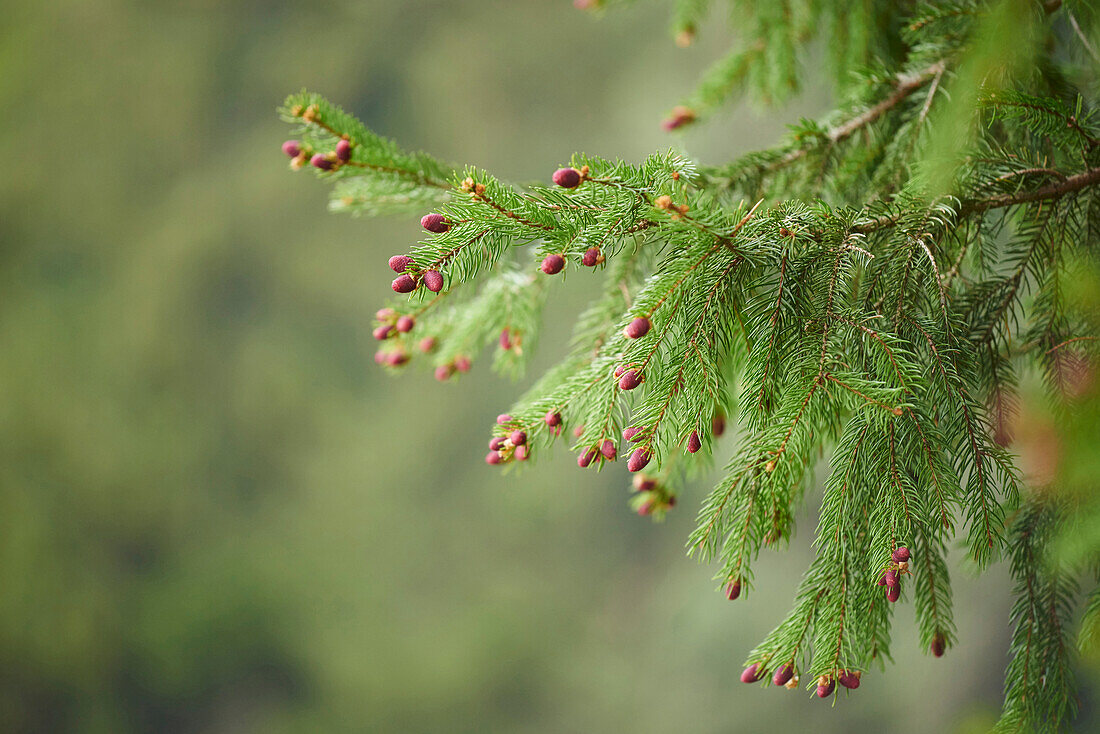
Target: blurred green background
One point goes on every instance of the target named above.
(217, 515)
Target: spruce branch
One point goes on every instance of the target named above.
(855, 324)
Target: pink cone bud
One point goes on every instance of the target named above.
(433, 281)
(493, 458)
(630, 432)
(620, 370)
(427, 344)
(591, 257)
(849, 679)
(630, 380)
(435, 223)
(518, 437)
(586, 458)
(503, 418)
(939, 644)
(784, 674)
(292, 148)
(680, 116)
(824, 690)
(396, 359)
(462, 363)
(890, 578)
(752, 673)
(343, 151)
(505, 340)
(385, 314)
(405, 324)
(901, 555)
(553, 264)
(638, 460)
(385, 331)
(882, 580)
(567, 178)
(646, 507)
(379, 357)
(637, 328)
(400, 263)
(733, 589)
(496, 443)
(321, 162)
(443, 372)
(521, 453)
(694, 444)
(607, 448)
(893, 593)
(642, 483)
(552, 419)
(579, 431)
(404, 284)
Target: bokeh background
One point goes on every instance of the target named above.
(217, 515)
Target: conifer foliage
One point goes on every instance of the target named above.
(857, 301)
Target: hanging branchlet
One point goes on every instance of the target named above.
(850, 314)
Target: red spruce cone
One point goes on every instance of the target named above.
(638, 460)
(824, 690)
(586, 458)
(493, 458)
(630, 380)
(733, 589)
(591, 257)
(518, 437)
(939, 644)
(694, 444)
(435, 223)
(405, 324)
(893, 593)
(567, 178)
(553, 264)
(849, 679)
(404, 284)
(433, 281)
(784, 674)
(343, 151)
(607, 448)
(901, 555)
(637, 328)
(752, 673)
(400, 263)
